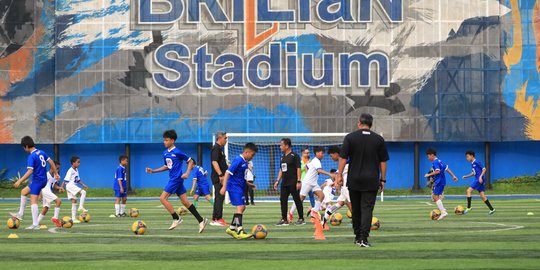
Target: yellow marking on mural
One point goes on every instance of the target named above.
(513, 55)
(526, 106)
(536, 31)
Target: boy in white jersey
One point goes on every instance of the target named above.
(329, 191)
(49, 196)
(71, 184)
(343, 198)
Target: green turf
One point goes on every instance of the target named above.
(407, 239)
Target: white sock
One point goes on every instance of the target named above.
(293, 208)
(74, 211)
(122, 208)
(40, 218)
(332, 209)
(83, 196)
(117, 208)
(35, 214)
(317, 206)
(441, 206)
(56, 212)
(23, 205)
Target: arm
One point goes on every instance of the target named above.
(451, 173)
(299, 180)
(161, 169)
(225, 178)
(435, 172)
(120, 185)
(190, 167)
(468, 175)
(339, 176)
(278, 179)
(82, 184)
(332, 175)
(54, 170)
(481, 178)
(384, 167)
(193, 186)
(58, 187)
(22, 179)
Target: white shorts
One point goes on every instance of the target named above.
(307, 187)
(328, 196)
(48, 197)
(344, 194)
(72, 191)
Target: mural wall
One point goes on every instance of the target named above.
(115, 71)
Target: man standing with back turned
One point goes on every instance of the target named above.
(219, 166)
(367, 155)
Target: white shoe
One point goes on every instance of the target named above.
(175, 223)
(76, 220)
(82, 210)
(202, 225)
(215, 223)
(16, 215)
(32, 227)
(443, 215)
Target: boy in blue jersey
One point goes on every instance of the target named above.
(120, 187)
(478, 171)
(235, 183)
(198, 174)
(173, 159)
(439, 169)
(37, 167)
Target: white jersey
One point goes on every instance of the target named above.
(312, 174)
(249, 173)
(329, 189)
(72, 176)
(50, 183)
(46, 192)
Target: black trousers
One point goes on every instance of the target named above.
(363, 203)
(284, 199)
(249, 193)
(218, 200)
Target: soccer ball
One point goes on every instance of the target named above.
(138, 227)
(182, 211)
(459, 210)
(133, 212)
(84, 217)
(259, 231)
(67, 222)
(434, 214)
(375, 223)
(349, 214)
(13, 223)
(336, 219)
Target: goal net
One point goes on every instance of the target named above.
(266, 162)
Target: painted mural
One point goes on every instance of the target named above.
(122, 71)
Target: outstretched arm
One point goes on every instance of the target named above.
(452, 174)
(22, 179)
(161, 169)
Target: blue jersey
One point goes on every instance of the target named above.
(477, 168)
(37, 160)
(237, 170)
(173, 160)
(120, 174)
(199, 173)
(440, 179)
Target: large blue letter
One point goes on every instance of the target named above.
(344, 12)
(174, 65)
(235, 71)
(393, 10)
(273, 61)
(216, 11)
(364, 63)
(201, 59)
(148, 16)
(327, 77)
(267, 15)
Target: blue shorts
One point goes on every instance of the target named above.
(36, 187)
(175, 187)
(438, 190)
(117, 194)
(202, 190)
(237, 194)
(477, 186)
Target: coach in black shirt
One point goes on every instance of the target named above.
(367, 155)
(219, 166)
(289, 172)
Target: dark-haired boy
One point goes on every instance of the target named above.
(72, 183)
(120, 187)
(478, 171)
(439, 168)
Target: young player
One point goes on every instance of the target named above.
(303, 171)
(49, 196)
(37, 167)
(24, 194)
(235, 183)
(343, 199)
(478, 171)
(120, 187)
(199, 174)
(173, 159)
(439, 169)
(329, 191)
(72, 183)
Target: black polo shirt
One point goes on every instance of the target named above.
(219, 156)
(289, 165)
(365, 150)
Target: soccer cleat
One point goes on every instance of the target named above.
(123, 215)
(202, 225)
(75, 220)
(252, 203)
(364, 244)
(282, 222)
(491, 212)
(32, 227)
(82, 210)
(175, 223)
(442, 216)
(214, 223)
(222, 222)
(289, 217)
(232, 233)
(56, 222)
(300, 221)
(17, 216)
(243, 235)
(467, 211)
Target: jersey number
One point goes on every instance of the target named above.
(43, 163)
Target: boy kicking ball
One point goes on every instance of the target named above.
(173, 159)
(49, 197)
(478, 171)
(439, 169)
(235, 183)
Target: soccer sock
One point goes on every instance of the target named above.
(317, 206)
(117, 208)
(123, 208)
(23, 205)
(35, 214)
(239, 222)
(330, 210)
(233, 222)
(83, 197)
(441, 206)
(40, 218)
(56, 212)
(175, 216)
(489, 205)
(74, 211)
(195, 213)
(293, 208)
(469, 199)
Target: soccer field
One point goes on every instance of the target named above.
(407, 239)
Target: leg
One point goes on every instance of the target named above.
(283, 200)
(209, 199)
(164, 199)
(469, 198)
(486, 201)
(57, 208)
(218, 203)
(24, 192)
(298, 202)
(117, 206)
(318, 202)
(123, 206)
(35, 209)
(311, 199)
(356, 202)
(74, 209)
(83, 197)
(367, 205)
(293, 207)
(252, 195)
(246, 194)
(190, 207)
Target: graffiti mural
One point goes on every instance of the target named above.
(117, 71)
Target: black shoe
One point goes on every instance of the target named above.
(247, 203)
(300, 221)
(252, 203)
(282, 222)
(365, 244)
(123, 215)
